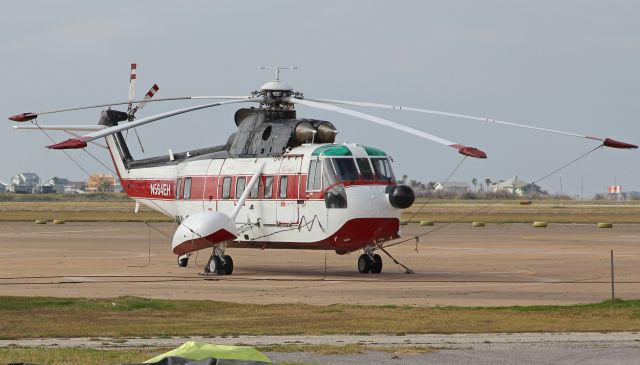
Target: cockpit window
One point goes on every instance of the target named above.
(329, 174)
(314, 178)
(345, 169)
(365, 169)
(382, 169)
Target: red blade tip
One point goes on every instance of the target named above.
(70, 143)
(617, 144)
(23, 117)
(472, 152)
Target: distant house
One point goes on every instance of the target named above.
(56, 184)
(75, 187)
(451, 186)
(515, 186)
(25, 183)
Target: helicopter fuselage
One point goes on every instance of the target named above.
(312, 196)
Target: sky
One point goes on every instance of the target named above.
(566, 65)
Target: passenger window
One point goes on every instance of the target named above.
(226, 187)
(240, 184)
(365, 169)
(187, 188)
(268, 187)
(254, 190)
(314, 179)
(178, 186)
(283, 186)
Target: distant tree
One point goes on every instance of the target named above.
(487, 181)
(474, 181)
(404, 179)
(104, 186)
(431, 185)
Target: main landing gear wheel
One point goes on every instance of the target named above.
(364, 264)
(227, 269)
(183, 261)
(214, 265)
(376, 266)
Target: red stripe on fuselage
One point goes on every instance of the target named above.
(354, 235)
(209, 187)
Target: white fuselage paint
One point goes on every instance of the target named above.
(300, 218)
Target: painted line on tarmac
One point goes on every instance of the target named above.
(58, 232)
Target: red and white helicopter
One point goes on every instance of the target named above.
(278, 182)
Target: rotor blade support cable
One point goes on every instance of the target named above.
(416, 237)
(89, 174)
(445, 181)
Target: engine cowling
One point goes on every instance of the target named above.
(202, 230)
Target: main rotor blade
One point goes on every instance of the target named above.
(606, 141)
(23, 117)
(462, 149)
(81, 142)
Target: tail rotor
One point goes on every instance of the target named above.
(132, 110)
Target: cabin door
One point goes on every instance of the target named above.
(287, 190)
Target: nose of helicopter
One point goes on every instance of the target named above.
(400, 196)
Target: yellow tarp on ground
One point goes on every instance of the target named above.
(199, 350)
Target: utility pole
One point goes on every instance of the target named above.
(613, 287)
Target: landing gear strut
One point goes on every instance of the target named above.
(219, 263)
(369, 262)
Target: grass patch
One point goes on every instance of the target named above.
(60, 356)
(65, 356)
(467, 211)
(25, 317)
(119, 208)
(78, 211)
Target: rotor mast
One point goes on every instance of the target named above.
(276, 93)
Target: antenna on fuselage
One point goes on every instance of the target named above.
(277, 68)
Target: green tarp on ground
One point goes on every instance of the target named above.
(199, 351)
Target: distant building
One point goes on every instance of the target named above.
(3, 187)
(103, 183)
(614, 192)
(75, 187)
(516, 186)
(56, 184)
(451, 186)
(25, 183)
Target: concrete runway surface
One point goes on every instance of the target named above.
(493, 348)
(458, 265)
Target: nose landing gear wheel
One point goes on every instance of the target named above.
(364, 264)
(183, 261)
